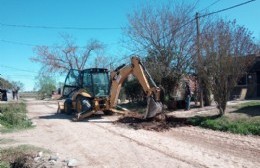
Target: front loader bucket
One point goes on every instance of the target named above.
(153, 108)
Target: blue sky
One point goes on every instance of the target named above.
(15, 43)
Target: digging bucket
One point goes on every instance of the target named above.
(153, 108)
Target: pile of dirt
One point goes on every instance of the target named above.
(159, 123)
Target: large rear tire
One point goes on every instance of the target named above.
(68, 106)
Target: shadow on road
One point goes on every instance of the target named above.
(136, 121)
(252, 111)
(95, 118)
(56, 116)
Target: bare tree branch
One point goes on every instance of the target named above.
(227, 48)
(65, 57)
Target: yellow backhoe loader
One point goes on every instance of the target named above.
(92, 90)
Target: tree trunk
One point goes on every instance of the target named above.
(222, 106)
(207, 97)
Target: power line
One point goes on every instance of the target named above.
(210, 5)
(29, 44)
(18, 43)
(17, 69)
(19, 76)
(63, 28)
(82, 28)
(52, 46)
(215, 12)
(222, 10)
(225, 9)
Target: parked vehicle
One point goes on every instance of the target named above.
(3, 94)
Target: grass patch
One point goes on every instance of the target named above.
(4, 164)
(6, 141)
(14, 155)
(13, 117)
(244, 120)
(248, 104)
(245, 126)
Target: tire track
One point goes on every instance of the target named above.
(171, 155)
(65, 136)
(227, 143)
(206, 141)
(217, 134)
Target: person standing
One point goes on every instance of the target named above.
(15, 93)
(187, 96)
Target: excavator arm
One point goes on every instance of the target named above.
(136, 68)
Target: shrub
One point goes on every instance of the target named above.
(239, 126)
(13, 116)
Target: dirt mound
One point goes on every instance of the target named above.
(159, 123)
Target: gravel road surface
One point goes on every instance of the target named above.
(98, 142)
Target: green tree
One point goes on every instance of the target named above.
(17, 85)
(5, 84)
(133, 90)
(45, 85)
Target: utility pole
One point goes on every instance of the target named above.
(199, 60)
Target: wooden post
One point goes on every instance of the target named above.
(199, 60)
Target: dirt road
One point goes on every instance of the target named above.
(98, 142)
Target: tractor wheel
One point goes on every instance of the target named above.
(68, 107)
(83, 104)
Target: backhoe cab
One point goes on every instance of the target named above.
(92, 90)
